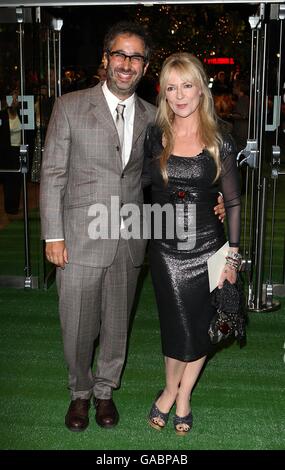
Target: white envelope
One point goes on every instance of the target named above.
(216, 264)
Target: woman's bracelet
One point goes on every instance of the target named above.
(233, 260)
(232, 266)
(234, 255)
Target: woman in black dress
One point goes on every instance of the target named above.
(188, 159)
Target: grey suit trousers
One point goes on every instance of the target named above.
(96, 302)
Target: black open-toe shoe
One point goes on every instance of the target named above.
(185, 421)
(156, 416)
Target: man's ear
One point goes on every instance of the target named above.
(105, 60)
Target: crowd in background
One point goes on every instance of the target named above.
(230, 91)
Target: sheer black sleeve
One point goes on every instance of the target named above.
(146, 172)
(152, 149)
(230, 185)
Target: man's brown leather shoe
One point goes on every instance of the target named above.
(76, 418)
(107, 415)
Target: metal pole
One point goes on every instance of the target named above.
(57, 24)
(261, 305)
(276, 133)
(249, 154)
(54, 63)
(260, 74)
(48, 63)
(251, 84)
(260, 301)
(59, 62)
(275, 160)
(247, 250)
(259, 277)
(23, 157)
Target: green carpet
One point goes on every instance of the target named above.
(12, 252)
(238, 403)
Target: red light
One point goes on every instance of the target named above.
(220, 61)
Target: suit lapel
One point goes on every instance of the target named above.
(140, 123)
(102, 114)
(101, 111)
(140, 120)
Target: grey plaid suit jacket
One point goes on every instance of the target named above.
(82, 166)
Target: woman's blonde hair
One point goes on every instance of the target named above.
(190, 68)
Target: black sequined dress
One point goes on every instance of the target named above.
(179, 265)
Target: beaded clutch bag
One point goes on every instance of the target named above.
(230, 317)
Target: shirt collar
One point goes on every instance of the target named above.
(113, 100)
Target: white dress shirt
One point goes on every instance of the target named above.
(129, 114)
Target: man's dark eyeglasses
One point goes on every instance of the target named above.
(121, 57)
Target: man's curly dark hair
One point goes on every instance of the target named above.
(129, 28)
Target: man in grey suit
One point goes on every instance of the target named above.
(88, 159)
(86, 163)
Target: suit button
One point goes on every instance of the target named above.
(123, 175)
(117, 148)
